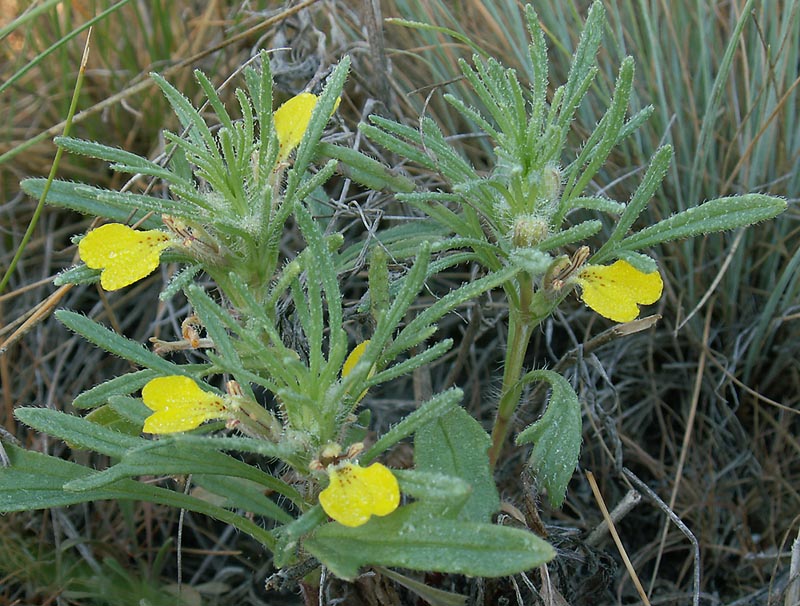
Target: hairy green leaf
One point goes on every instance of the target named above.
(432, 544)
(556, 436)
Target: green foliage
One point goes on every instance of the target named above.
(556, 436)
(421, 543)
(275, 318)
(455, 445)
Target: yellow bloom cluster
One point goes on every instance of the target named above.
(126, 255)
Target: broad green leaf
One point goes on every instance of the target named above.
(427, 486)
(715, 215)
(34, 481)
(456, 445)
(240, 493)
(556, 436)
(431, 544)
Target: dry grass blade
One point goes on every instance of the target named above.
(617, 540)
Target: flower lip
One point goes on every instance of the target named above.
(179, 404)
(615, 291)
(291, 122)
(356, 493)
(124, 255)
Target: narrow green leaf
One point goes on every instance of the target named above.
(641, 262)
(118, 386)
(407, 366)
(118, 345)
(78, 431)
(190, 118)
(378, 282)
(363, 169)
(391, 135)
(409, 336)
(239, 493)
(456, 445)
(287, 537)
(715, 215)
(130, 408)
(118, 157)
(65, 195)
(427, 413)
(128, 201)
(604, 205)
(216, 321)
(108, 417)
(319, 119)
(179, 457)
(80, 274)
(576, 233)
(180, 280)
(322, 259)
(605, 136)
(556, 436)
(639, 201)
(583, 69)
(406, 540)
(433, 596)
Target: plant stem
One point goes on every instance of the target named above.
(521, 322)
(519, 334)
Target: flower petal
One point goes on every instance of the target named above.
(291, 121)
(356, 493)
(124, 254)
(179, 405)
(353, 359)
(616, 291)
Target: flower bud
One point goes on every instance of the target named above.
(529, 230)
(551, 183)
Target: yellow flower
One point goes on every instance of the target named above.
(616, 291)
(356, 493)
(178, 404)
(124, 254)
(353, 359)
(291, 121)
